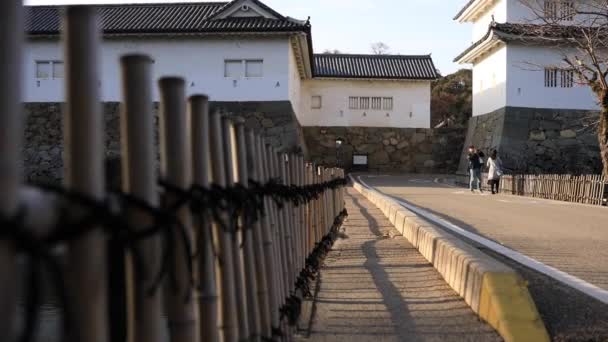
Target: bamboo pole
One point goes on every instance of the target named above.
(282, 229)
(139, 180)
(279, 233)
(11, 130)
(285, 165)
(251, 273)
(302, 217)
(83, 141)
(198, 106)
(225, 265)
(254, 162)
(270, 240)
(176, 169)
(236, 238)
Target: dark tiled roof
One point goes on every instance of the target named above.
(464, 9)
(529, 32)
(374, 66)
(161, 18)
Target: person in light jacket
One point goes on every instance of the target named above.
(495, 171)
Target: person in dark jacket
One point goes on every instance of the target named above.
(474, 169)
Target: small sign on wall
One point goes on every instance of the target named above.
(359, 159)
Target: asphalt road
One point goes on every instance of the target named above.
(570, 237)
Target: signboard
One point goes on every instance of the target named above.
(359, 159)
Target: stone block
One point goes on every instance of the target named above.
(550, 125)
(394, 141)
(379, 157)
(567, 134)
(403, 145)
(537, 136)
(418, 138)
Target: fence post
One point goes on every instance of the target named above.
(11, 131)
(228, 318)
(198, 107)
(254, 162)
(249, 252)
(139, 180)
(273, 261)
(236, 238)
(176, 169)
(83, 140)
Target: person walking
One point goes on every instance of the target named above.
(474, 169)
(495, 171)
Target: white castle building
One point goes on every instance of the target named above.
(527, 102)
(238, 52)
(511, 67)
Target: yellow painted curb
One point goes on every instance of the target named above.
(506, 305)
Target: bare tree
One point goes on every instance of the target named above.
(380, 48)
(332, 51)
(579, 29)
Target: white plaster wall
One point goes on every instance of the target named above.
(295, 82)
(481, 26)
(200, 61)
(530, 13)
(489, 82)
(526, 82)
(408, 97)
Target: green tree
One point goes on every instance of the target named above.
(451, 99)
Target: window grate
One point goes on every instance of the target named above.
(353, 102)
(567, 78)
(376, 103)
(364, 103)
(387, 103)
(559, 10)
(551, 77)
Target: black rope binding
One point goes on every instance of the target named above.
(223, 205)
(292, 309)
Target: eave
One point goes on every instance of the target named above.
(480, 49)
(473, 10)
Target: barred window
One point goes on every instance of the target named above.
(353, 102)
(387, 103)
(560, 10)
(567, 78)
(364, 103)
(567, 11)
(551, 77)
(376, 103)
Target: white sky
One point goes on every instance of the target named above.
(351, 26)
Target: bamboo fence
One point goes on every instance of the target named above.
(585, 189)
(224, 243)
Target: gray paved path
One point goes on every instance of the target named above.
(570, 237)
(376, 287)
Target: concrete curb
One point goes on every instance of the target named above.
(493, 290)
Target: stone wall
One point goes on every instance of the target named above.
(531, 140)
(43, 145)
(388, 149)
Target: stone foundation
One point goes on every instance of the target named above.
(43, 145)
(389, 149)
(531, 140)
